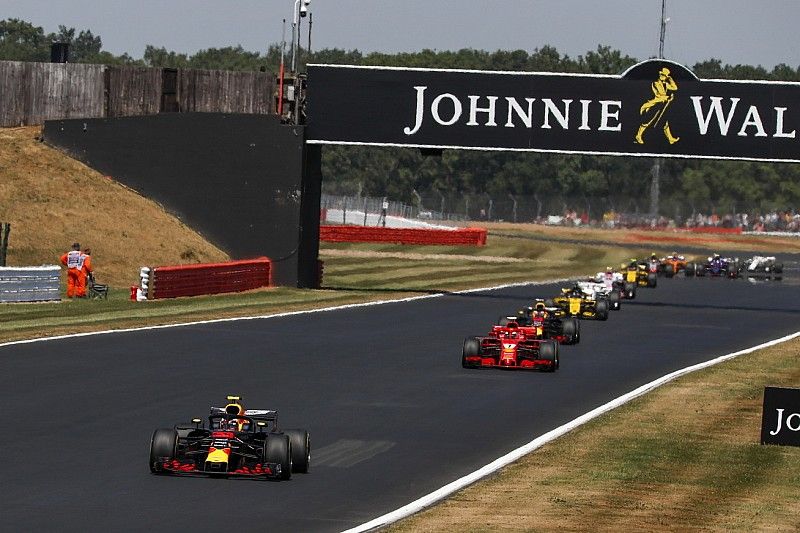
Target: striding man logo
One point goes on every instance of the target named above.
(654, 111)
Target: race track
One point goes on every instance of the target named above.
(392, 414)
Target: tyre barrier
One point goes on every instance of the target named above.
(455, 237)
(207, 278)
(30, 284)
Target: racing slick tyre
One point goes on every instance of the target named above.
(652, 280)
(777, 268)
(301, 450)
(548, 350)
(699, 271)
(690, 269)
(601, 310)
(630, 290)
(163, 445)
(614, 301)
(570, 328)
(472, 347)
(669, 271)
(278, 449)
(734, 269)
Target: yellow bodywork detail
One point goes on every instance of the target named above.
(574, 306)
(217, 456)
(631, 275)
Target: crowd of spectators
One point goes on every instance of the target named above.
(785, 221)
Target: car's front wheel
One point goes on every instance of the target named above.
(278, 449)
(163, 447)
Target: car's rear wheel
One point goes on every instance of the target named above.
(601, 309)
(163, 447)
(690, 270)
(777, 268)
(570, 328)
(472, 348)
(278, 449)
(301, 449)
(652, 279)
(614, 300)
(630, 290)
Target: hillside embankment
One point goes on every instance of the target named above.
(52, 200)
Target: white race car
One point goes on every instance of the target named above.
(601, 291)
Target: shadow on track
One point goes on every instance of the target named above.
(734, 308)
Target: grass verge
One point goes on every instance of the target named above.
(353, 273)
(684, 457)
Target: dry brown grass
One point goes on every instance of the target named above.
(683, 458)
(52, 201)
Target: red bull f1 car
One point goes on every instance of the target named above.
(236, 442)
(512, 347)
(541, 322)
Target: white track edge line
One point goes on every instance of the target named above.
(458, 484)
(279, 315)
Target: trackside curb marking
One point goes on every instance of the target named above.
(289, 313)
(458, 484)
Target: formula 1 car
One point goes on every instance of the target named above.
(615, 282)
(673, 264)
(238, 442)
(639, 272)
(575, 303)
(540, 322)
(510, 347)
(716, 266)
(762, 266)
(598, 291)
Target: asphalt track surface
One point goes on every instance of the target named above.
(392, 414)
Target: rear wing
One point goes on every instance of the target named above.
(256, 414)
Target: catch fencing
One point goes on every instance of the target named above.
(626, 211)
(34, 92)
(30, 284)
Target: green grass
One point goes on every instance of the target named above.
(418, 270)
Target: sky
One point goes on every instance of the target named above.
(752, 32)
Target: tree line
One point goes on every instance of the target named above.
(401, 173)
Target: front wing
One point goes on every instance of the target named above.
(177, 467)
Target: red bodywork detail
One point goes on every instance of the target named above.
(222, 434)
(257, 470)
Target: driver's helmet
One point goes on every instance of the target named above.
(609, 269)
(653, 257)
(716, 256)
(675, 255)
(540, 307)
(235, 424)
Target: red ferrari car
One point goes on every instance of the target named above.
(510, 346)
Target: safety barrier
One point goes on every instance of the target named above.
(455, 237)
(30, 284)
(208, 278)
(716, 229)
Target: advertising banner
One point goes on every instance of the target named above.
(655, 108)
(780, 419)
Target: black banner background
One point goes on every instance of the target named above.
(363, 105)
(780, 398)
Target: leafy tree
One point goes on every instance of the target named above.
(22, 41)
